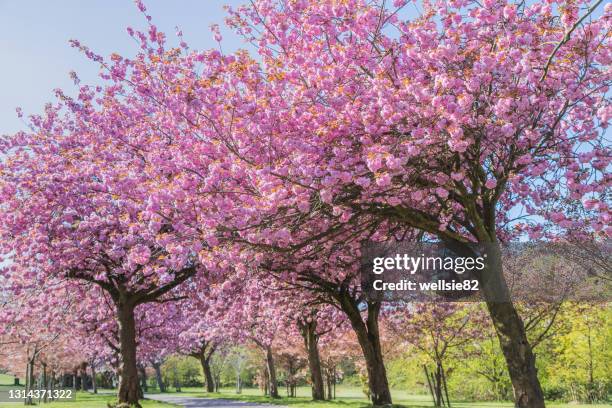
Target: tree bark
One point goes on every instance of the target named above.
(45, 381)
(368, 335)
(311, 341)
(205, 361)
(84, 377)
(143, 378)
(512, 336)
(129, 389)
(266, 381)
(158, 377)
(94, 383)
(271, 373)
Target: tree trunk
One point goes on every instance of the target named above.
(311, 340)
(266, 381)
(45, 382)
(512, 336)
(29, 381)
(158, 377)
(271, 373)
(143, 378)
(84, 377)
(438, 386)
(129, 389)
(205, 361)
(448, 402)
(94, 384)
(368, 336)
(518, 354)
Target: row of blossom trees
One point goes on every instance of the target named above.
(197, 194)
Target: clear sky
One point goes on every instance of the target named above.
(35, 56)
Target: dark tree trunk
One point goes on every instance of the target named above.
(512, 336)
(438, 382)
(518, 354)
(94, 383)
(84, 377)
(45, 381)
(273, 388)
(311, 340)
(143, 378)
(158, 377)
(29, 381)
(368, 336)
(205, 361)
(129, 389)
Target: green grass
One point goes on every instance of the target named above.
(352, 397)
(346, 397)
(6, 382)
(6, 379)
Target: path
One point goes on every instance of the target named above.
(196, 402)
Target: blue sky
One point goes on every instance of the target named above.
(35, 56)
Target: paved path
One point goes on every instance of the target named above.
(195, 402)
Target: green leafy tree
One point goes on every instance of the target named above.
(585, 353)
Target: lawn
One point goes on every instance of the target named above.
(347, 397)
(352, 397)
(6, 379)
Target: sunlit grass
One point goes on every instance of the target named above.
(351, 397)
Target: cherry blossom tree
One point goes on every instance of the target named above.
(201, 340)
(472, 123)
(36, 334)
(80, 202)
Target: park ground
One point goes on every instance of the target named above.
(346, 397)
